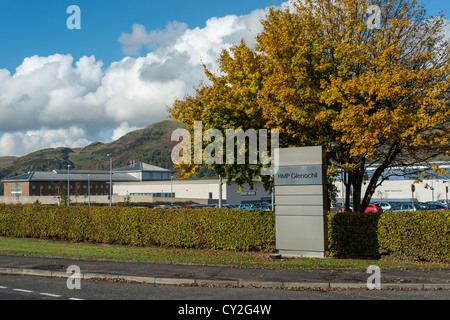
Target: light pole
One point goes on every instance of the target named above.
(171, 188)
(273, 199)
(432, 190)
(446, 196)
(68, 185)
(110, 178)
(220, 191)
(89, 190)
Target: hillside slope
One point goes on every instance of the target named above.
(152, 145)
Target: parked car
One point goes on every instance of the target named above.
(385, 205)
(265, 207)
(444, 203)
(372, 207)
(163, 206)
(405, 207)
(176, 207)
(193, 206)
(342, 209)
(247, 206)
(432, 202)
(432, 206)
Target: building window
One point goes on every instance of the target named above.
(33, 187)
(210, 195)
(16, 190)
(155, 195)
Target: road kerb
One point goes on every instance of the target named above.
(321, 285)
(173, 281)
(217, 282)
(148, 280)
(213, 282)
(436, 286)
(414, 286)
(348, 285)
(262, 284)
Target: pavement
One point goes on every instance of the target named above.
(218, 275)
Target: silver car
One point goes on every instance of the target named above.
(405, 207)
(385, 205)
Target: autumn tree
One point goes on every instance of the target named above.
(323, 74)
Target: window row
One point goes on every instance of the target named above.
(49, 187)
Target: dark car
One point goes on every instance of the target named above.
(445, 203)
(432, 206)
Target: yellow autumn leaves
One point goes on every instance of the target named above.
(322, 77)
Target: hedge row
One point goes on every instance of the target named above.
(202, 228)
(413, 235)
(420, 235)
(353, 234)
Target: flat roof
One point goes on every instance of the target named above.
(75, 175)
(168, 182)
(141, 167)
(118, 175)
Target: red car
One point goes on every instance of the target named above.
(370, 208)
(374, 208)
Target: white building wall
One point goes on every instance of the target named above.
(248, 195)
(401, 189)
(389, 190)
(182, 189)
(195, 190)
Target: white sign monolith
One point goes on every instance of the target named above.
(301, 197)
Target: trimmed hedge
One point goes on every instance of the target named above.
(412, 235)
(353, 234)
(201, 228)
(420, 235)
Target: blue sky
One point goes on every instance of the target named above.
(30, 27)
(39, 27)
(120, 72)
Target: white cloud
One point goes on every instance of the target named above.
(23, 143)
(54, 101)
(122, 130)
(133, 42)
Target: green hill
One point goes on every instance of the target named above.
(152, 145)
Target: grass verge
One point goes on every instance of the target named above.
(230, 258)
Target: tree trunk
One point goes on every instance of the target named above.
(392, 155)
(348, 190)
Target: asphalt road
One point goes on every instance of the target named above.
(18, 287)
